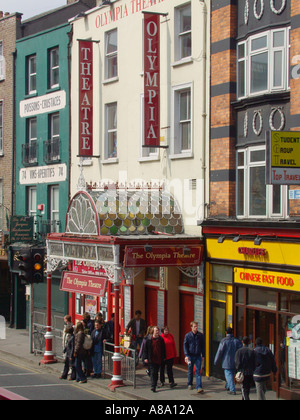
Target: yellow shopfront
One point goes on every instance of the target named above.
(256, 289)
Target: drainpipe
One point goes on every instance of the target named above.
(203, 208)
(117, 380)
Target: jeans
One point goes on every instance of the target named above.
(97, 362)
(78, 366)
(229, 376)
(195, 361)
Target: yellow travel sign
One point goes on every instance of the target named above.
(285, 149)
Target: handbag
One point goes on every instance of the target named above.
(239, 377)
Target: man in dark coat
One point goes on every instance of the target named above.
(194, 350)
(138, 328)
(245, 362)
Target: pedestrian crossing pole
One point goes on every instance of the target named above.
(49, 355)
(117, 380)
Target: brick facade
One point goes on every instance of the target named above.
(227, 29)
(9, 32)
(223, 82)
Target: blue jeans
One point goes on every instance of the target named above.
(229, 376)
(97, 363)
(195, 361)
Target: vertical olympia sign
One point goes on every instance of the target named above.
(152, 79)
(85, 98)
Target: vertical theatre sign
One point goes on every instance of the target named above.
(85, 98)
(152, 79)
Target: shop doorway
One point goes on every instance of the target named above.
(186, 317)
(218, 317)
(263, 324)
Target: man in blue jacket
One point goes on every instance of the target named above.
(194, 350)
(226, 355)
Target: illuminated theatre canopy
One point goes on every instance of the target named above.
(122, 230)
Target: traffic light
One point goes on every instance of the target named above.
(37, 256)
(23, 260)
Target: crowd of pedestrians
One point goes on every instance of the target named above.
(83, 346)
(83, 350)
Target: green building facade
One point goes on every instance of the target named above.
(42, 146)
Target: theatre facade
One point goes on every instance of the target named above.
(139, 124)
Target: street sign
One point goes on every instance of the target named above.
(21, 229)
(283, 157)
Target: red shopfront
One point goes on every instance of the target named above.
(156, 272)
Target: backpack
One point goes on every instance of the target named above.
(88, 342)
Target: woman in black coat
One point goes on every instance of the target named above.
(69, 352)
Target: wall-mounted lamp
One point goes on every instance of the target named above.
(236, 238)
(258, 240)
(148, 248)
(186, 251)
(221, 239)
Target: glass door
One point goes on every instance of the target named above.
(218, 317)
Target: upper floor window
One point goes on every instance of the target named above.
(32, 205)
(147, 153)
(31, 74)
(254, 197)
(111, 131)
(111, 54)
(54, 208)
(183, 111)
(54, 67)
(2, 62)
(183, 32)
(263, 63)
(1, 127)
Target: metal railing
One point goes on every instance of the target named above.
(39, 330)
(29, 153)
(128, 362)
(52, 150)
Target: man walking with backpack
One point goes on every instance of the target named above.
(226, 355)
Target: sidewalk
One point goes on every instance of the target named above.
(15, 348)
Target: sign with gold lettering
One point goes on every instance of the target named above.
(272, 279)
(86, 285)
(85, 98)
(140, 256)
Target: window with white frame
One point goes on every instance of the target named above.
(263, 63)
(32, 205)
(54, 149)
(1, 127)
(111, 54)
(54, 208)
(2, 61)
(32, 140)
(146, 152)
(111, 135)
(182, 130)
(255, 199)
(54, 67)
(183, 32)
(31, 74)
